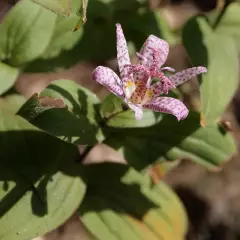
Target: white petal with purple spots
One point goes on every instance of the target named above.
(152, 46)
(122, 55)
(108, 78)
(186, 74)
(168, 105)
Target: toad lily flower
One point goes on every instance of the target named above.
(134, 85)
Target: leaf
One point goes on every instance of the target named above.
(83, 15)
(229, 22)
(12, 103)
(219, 54)
(62, 7)
(64, 38)
(40, 180)
(112, 109)
(8, 76)
(25, 33)
(77, 123)
(111, 105)
(169, 140)
(123, 205)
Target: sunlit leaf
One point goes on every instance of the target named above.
(122, 204)
(77, 122)
(25, 32)
(116, 114)
(83, 15)
(229, 21)
(8, 76)
(40, 180)
(111, 105)
(218, 53)
(12, 102)
(64, 38)
(62, 7)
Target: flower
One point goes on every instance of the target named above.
(134, 85)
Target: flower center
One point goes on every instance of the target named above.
(141, 95)
(129, 88)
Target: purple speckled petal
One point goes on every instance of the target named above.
(168, 105)
(159, 88)
(154, 45)
(137, 108)
(185, 75)
(141, 73)
(122, 55)
(108, 78)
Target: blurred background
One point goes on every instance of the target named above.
(212, 199)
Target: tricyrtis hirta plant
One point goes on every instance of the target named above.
(135, 83)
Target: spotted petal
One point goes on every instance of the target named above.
(185, 75)
(122, 54)
(158, 88)
(168, 105)
(109, 79)
(152, 46)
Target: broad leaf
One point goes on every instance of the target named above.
(8, 76)
(169, 140)
(219, 54)
(39, 177)
(122, 204)
(62, 7)
(138, 23)
(229, 22)
(12, 102)
(113, 110)
(25, 32)
(75, 120)
(110, 106)
(64, 38)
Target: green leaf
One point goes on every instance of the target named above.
(83, 15)
(169, 140)
(74, 120)
(229, 22)
(112, 110)
(219, 54)
(62, 7)
(25, 33)
(111, 105)
(8, 76)
(12, 103)
(39, 177)
(122, 204)
(64, 38)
